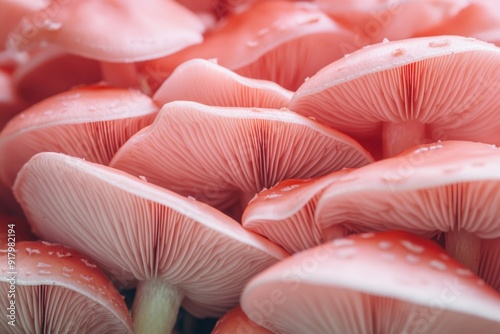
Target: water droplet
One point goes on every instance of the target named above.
(44, 272)
(346, 253)
(288, 188)
(398, 52)
(307, 79)
(86, 278)
(412, 247)
(273, 195)
(263, 31)
(437, 265)
(439, 43)
(252, 44)
(367, 235)
(192, 198)
(412, 258)
(32, 251)
(52, 26)
(69, 270)
(343, 242)
(63, 255)
(464, 272)
(312, 118)
(385, 40)
(143, 178)
(88, 264)
(43, 265)
(385, 244)
(51, 252)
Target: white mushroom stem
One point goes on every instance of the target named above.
(156, 306)
(119, 74)
(397, 137)
(464, 247)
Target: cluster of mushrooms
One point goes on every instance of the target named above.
(325, 166)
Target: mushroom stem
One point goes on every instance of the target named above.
(398, 137)
(464, 247)
(155, 307)
(119, 74)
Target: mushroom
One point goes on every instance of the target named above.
(64, 70)
(389, 282)
(12, 12)
(236, 321)
(405, 93)
(48, 288)
(177, 249)
(233, 153)
(115, 32)
(90, 122)
(280, 41)
(449, 187)
(285, 213)
(206, 82)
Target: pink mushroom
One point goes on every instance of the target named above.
(236, 321)
(390, 282)
(177, 250)
(48, 288)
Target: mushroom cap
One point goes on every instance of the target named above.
(206, 82)
(447, 83)
(138, 231)
(89, 122)
(233, 153)
(389, 282)
(111, 30)
(236, 321)
(64, 70)
(285, 213)
(12, 12)
(280, 41)
(450, 185)
(58, 290)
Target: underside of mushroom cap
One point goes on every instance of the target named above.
(205, 82)
(430, 88)
(446, 186)
(138, 231)
(233, 153)
(56, 290)
(90, 122)
(391, 282)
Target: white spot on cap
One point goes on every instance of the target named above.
(343, 242)
(437, 265)
(43, 265)
(428, 148)
(252, 44)
(385, 244)
(63, 255)
(439, 43)
(143, 178)
(86, 278)
(88, 264)
(32, 251)
(67, 269)
(367, 235)
(412, 247)
(464, 272)
(346, 253)
(44, 272)
(398, 52)
(273, 195)
(46, 243)
(66, 275)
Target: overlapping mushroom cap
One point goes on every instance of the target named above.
(205, 82)
(389, 282)
(48, 288)
(404, 93)
(88, 122)
(233, 153)
(285, 213)
(281, 41)
(179, 249)
(449, 187)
